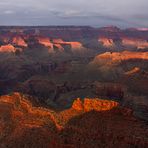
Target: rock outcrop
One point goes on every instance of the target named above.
(115, 57)
(74, 46)
(138, 43)
(78, 38)
(50, 66)
(47, 43)
(106, 42)
(94, 104)
(7, 48)
(133, 71)
(91, 123)
(59, 45)
(18, 41)
(22, 124)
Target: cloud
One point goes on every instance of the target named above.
(77, 12)
(141, 16)
(8, 12)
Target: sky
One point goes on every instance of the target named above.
(97, 13)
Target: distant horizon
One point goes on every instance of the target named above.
(105, 26)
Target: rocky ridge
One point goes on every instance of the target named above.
(20, 121)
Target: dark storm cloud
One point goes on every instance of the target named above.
(125, 13)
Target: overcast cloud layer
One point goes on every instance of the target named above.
(122, 13)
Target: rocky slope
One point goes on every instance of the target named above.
(115, 57)
(119, 63)
(74, 39)
(106, 42)
(7, 48)
(94, 123)
(137, 43)
(93, 104)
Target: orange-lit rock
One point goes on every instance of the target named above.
(76, 45)
(58, 47)
(120, 56)
(45, 42)
(7, 48)
(135, 42)
(23, 124)
(102, 121)
(93, 104)
(133, 71)
(58, 41)
(21, 106)
(106, 42)
(78, 105)
(19, 41)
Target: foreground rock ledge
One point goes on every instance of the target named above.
(92, 123)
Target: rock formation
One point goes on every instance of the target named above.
(112, 59)
(90, 124)
(106, 42)
(47, 43)
(19, 41)
(78, 38)
(131, 42)
(53, 65)
(93, 104)
(133, 71)
(7, 48)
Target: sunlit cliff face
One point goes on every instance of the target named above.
(59, 43)
(94, 104)
(135, 42)
(125, 41)
(7, 48)
(74, 45)
(19, 41)
(126, 55)
(106, 42)
(114, 65)
(59, 47)
(45, 41)
(21, 109)
(133, 71)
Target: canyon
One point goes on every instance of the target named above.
(74, 38)
(73, 86)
